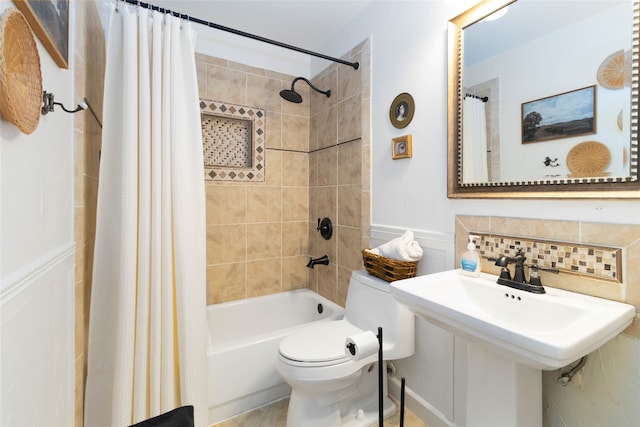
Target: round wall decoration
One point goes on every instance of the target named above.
(401, 111)
(588, 159)
(20, 77)
(615, 71)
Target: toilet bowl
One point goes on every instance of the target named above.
(329, 387)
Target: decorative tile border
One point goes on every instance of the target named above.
(233, 138)
(595, 261)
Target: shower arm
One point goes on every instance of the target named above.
(324, 92)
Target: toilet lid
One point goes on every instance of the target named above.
(322, 342)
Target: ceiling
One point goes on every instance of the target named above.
(308, 24)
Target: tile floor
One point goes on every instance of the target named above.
(275, 415)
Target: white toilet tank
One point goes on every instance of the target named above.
(370, 305)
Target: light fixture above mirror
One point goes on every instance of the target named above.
(552, 124)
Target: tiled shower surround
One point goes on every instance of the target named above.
(260, 235)
(600, 250)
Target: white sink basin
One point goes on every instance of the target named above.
(544, 331)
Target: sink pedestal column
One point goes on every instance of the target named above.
(501, 391)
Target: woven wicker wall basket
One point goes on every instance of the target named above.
(20, 76)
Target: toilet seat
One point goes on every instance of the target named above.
(322, 344)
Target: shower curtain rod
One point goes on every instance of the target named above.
(355, 65)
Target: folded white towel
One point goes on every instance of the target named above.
(402, 248)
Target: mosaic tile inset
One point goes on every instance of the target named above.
(596, 261)
(233, 138)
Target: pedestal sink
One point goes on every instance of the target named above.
(512, 336)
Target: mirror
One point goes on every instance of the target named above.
(540, 103)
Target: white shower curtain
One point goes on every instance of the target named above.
(147, 333)
(474, 141)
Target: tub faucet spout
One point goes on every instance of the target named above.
(324, 260)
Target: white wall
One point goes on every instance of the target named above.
(37, 263)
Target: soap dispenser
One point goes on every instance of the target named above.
(470, 261)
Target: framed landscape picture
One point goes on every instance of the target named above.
(560, 116)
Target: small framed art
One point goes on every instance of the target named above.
(401, 147)
(401, 111)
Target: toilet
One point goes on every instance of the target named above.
(329, 387)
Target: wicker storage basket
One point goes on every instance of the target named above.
(386, 268)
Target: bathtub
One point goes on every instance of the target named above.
(244, 336)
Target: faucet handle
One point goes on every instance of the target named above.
(503, 262)
(534, 277)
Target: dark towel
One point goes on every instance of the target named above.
(179, 417)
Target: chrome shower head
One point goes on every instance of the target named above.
(292, 96)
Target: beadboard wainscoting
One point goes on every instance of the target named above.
(37, 341)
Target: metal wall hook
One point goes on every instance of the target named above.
(548, 161)
(48, 104)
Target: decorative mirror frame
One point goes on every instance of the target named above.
(580, 188)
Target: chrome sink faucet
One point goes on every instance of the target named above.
(519, 281)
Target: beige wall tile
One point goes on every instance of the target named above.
(264, 204)
(295, 274)
(274, 129)
(225, 282)
(295, 132)
(349, 119)
(349, 80)
(327, 80)
(349, 247)
(350, 163)
(313, 169)
(212, 60)
(295, 203)
(328, 166)
(264, 241)
(226, 243)
(295, 169)
(327, 203)
(226, 85)
(538, 228)
(246, 68)
(350, 205)
(263, 92)
(226, 204)
(328, 121)
(609, 234)
(314, 132)
(326, 279)
(273, 168)
(295, 238)
(264, 277)
(201, 73)
(631, 276)
(344, 275)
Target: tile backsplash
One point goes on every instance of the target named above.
(596, 261)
